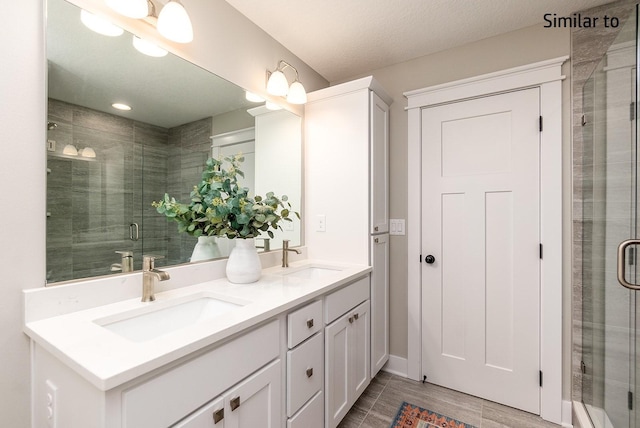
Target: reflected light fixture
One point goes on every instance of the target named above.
(148, 48)
(136, 9)
(250, 96)
(99, 24)
(174, 22)
(272, 106)
(278, 85)
(70, 150)
(121, 106)
(87, 152)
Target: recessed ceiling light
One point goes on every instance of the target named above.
(121, 106)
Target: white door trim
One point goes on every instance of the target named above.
(547, 75)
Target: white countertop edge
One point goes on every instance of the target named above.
(109, 371)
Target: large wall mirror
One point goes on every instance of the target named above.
(105, 166)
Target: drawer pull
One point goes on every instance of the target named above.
(376, 228)
(310, 323)
(218, 416)
(377, 240)
(356, 316)
(310, 372)
(350, 320)
(235, 403)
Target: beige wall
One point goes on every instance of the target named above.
(225, 43)
(496, 53)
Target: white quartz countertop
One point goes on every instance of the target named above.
(107, 359)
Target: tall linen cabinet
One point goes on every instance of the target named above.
(347, 189)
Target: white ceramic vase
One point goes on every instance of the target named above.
(206, 249)
(244, 265)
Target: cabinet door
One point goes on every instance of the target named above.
(379, 165)
(256, 402)
(359, 349)
(379, 302)
(338, 370)
(209, 416)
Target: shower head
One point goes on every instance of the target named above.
(51, 125)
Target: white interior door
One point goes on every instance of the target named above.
(480, 224)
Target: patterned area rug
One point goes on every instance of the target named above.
(410, 416)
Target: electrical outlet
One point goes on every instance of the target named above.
(51, 399)
(321, 223)
(396, 226)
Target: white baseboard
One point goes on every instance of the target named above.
(396, 365)
(567, 416)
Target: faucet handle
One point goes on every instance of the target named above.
(125, 253)
(149, 261)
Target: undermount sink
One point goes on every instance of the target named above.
(143, 325)
(312, 272)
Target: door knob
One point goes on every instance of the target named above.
(429, 259)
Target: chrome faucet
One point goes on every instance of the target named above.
(126, 262)
(267, 246)
(285, 252)
(150, 277)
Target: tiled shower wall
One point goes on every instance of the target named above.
(588, 47)
(91, 204)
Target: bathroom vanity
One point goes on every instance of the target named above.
(211, 354)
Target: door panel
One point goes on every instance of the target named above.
(480, 162)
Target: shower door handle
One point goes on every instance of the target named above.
(133, 232)
(622, 265)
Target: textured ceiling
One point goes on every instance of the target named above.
(344, 38)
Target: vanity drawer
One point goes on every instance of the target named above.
(346, 298)
(304, 323)
(305, 372)
(311, 415)
(195, 382)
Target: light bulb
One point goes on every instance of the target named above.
(99, 24)
(174, 23)
(277, 84)
(121, 106)
(148, 48)
(131, 8)
(297, 94)
(87, 152)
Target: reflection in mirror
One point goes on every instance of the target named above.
(105, 166)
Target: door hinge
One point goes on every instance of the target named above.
(540, 378)
(540, 251)
(540, 123)
(632, 111)
(630, 400)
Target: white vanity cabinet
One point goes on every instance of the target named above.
(347, 349)
(347, 188)
(305, 367)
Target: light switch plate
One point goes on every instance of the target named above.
(396, 226)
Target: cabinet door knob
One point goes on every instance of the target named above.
(218, 416)
(310, 372)
(351, 320)
(235, 403)
(310, 323)
(356, 316)
(429, 259)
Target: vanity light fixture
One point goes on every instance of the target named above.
(272, 106)
(278, 85)
(136, 9)
(174, 22)
(148, 48)
(121, 106)
(87, 152)
(99, 24)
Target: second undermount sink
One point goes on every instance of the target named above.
(312, 272)
(143, 325)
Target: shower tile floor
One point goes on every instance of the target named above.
(379, 404)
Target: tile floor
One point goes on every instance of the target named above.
(379, 404)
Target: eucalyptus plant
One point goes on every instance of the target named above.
(221, 207)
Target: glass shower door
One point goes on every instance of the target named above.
(609, 217)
